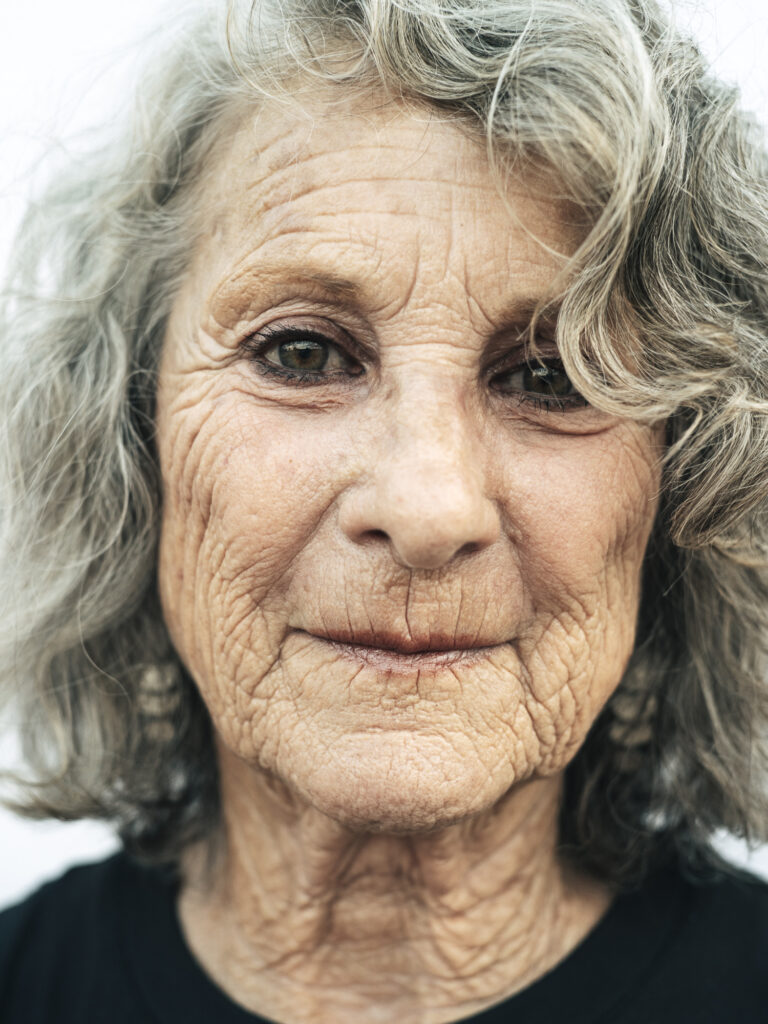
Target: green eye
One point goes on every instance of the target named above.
(300, 355)
(547, 380)
(304, 355)
(543, 385)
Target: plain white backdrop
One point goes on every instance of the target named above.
(67, 66)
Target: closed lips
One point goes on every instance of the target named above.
(387, 647)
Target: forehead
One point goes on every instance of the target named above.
(371, 191)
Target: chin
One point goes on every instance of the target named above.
(411, 793)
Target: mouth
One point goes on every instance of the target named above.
(393, 652)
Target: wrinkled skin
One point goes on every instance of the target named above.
(415, 497)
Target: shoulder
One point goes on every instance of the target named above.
(57, 904)
(732, 907)
(712, 969)
(59, 946)
(50, 907)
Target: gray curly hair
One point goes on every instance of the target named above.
(664, 316)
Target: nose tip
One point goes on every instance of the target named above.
(427, 519)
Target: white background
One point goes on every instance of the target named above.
(67, 65)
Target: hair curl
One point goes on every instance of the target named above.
(664, 316)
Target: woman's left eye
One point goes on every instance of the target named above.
(544, 384)
(300, 355)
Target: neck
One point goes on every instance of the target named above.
(300, 919)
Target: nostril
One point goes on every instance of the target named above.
(377, 535)
(469, 549)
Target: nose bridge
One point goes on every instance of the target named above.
(426, 490)
(430, 435)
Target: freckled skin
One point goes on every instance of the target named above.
(411, 501)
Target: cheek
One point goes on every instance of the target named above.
(242, 498)
(582, 515)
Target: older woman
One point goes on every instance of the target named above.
(384, 528)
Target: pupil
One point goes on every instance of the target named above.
(303, 355)
(547, 380)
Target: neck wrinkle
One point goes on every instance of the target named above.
(304, 920)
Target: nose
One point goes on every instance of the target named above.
(424, 492)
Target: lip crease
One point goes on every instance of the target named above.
(391, 650)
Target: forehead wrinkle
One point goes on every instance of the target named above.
(292, 207)
(289, 214)
(276, 199)
(294, 180)
(293, 174)
(301, 155)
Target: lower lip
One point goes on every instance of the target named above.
(388, 660)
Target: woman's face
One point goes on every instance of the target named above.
(403, 574)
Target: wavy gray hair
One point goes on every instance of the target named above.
(664, 316)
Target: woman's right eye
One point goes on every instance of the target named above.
(301, 356)
(306, 354)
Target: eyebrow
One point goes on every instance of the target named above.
(516, 314)
(339, 287)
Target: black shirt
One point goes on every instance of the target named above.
(103, 945)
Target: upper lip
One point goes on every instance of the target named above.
(388, 640)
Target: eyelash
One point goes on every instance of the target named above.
(257, 345)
